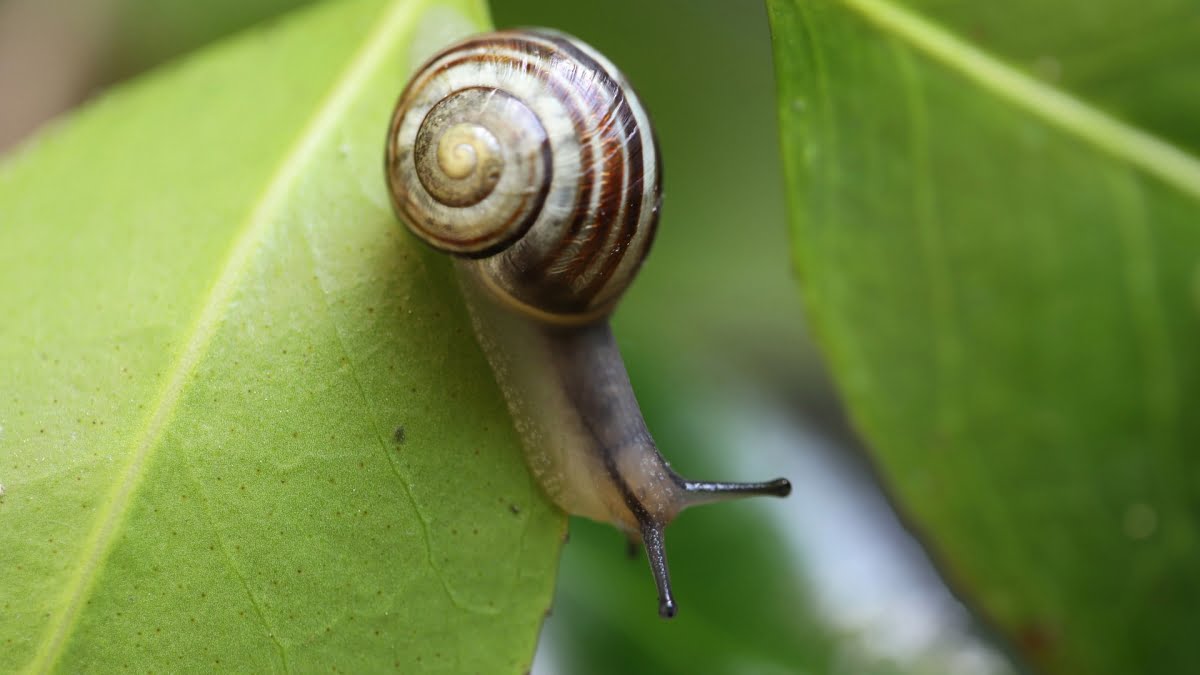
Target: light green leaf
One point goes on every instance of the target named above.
(244, 423)
(996, 210)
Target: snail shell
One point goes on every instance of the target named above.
(527, 156)
(529, 152)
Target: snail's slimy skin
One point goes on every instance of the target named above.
(527, 156)
(585, 440)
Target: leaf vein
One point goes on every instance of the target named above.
(380, 438)
(233, 567)
(261, 221)
(1145, 302)
(947, 327)
(1056, 107)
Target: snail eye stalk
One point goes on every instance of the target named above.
(545, 239)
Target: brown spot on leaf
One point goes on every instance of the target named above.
(1037, 639)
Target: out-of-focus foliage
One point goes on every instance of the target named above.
(996, 209)
(231, 433)
(145, 32)
(912, 145)
(713, 315)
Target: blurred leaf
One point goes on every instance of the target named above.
(714, 339)
(147, 32)
(231, 433)
(705, 303)
(1005, 273)
(744, 603)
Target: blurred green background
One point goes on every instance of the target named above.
(827, 581)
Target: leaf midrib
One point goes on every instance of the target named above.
(261, 220)
(1056, 107)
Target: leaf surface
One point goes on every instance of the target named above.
(245, 425)
(996, 216)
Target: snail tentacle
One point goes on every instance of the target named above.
(528, 156)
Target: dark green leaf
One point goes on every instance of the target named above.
(996, 210)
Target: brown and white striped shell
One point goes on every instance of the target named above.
(527, 155)
(528, 152)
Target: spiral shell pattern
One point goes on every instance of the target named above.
(528, 152)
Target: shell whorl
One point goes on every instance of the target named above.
(528, 152)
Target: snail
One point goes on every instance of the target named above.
(526, 155)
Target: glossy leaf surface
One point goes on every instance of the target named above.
(995, 210)
(244, 422)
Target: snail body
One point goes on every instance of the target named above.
(527, 156)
